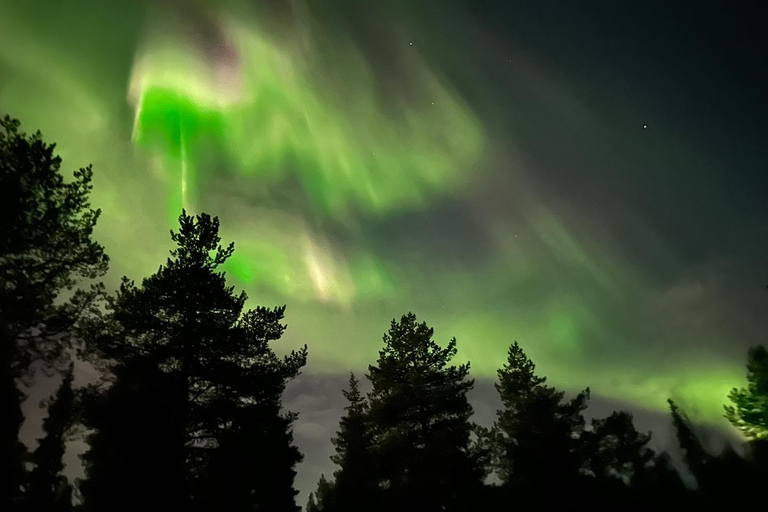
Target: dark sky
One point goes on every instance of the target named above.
(587, 178)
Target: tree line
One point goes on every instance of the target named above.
(187, 414)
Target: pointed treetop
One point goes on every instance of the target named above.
(198, 241)
(518, 375)
(353, 394)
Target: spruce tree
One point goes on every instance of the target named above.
(694, 455)
(48, 489)
(223, 380)
(538, 431)
(421, 419)
(355, 485)
(323, 499)
(354, 482)
(45, 248)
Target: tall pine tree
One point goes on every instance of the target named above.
(355, 485)
(538, 431)
(222, 379)
(48, 489)
(45, 248)
(421, 421)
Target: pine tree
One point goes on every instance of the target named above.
(45, 248)
(355, 486)
(420, 415)
(136, 454)
(616, 450)
(48, 489)
(623, 465)
(322, 500)
(724, 479)
(749, 412)
(354, 482)
(224, 380)
(537, 432)
(694, 455)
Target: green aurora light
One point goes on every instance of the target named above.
(306, 157)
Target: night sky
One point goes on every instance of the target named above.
(587, 178)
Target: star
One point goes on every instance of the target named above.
(411, 43)
(645, 126)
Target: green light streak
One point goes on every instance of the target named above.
(280, 121)
(278, 116)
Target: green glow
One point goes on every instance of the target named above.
(292, 142)
(274, 118)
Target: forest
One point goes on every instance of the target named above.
(188, 413)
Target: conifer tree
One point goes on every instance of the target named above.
(45, 248)
(616, 450)
(355, 485)
(538, 431)
(421, 419)
(694, 455)
(322, 500)
(48, 489)
(723, 479)
(224, 380)
(136, 452)
(749, 409)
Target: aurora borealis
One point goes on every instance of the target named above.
(481, 164)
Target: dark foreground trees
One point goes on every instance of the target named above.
(412, 433)
(542, 442)
(748, 411)
(48, 489)
(45, 249)
(355, 484)
(408, 444)
(197, 380)
(727, 477)
(189, 414)
(538, 432)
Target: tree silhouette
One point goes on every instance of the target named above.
(616, 450)
(224, 380)
(420, 414)
(749, 412)
(537, 432)
(542, 442)
(624, 466)
(48, 489)
(46, 248)
(253, 466)
(355, 486)
(136, 454)
(725, 479)
(694, 455)
(323, 499)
